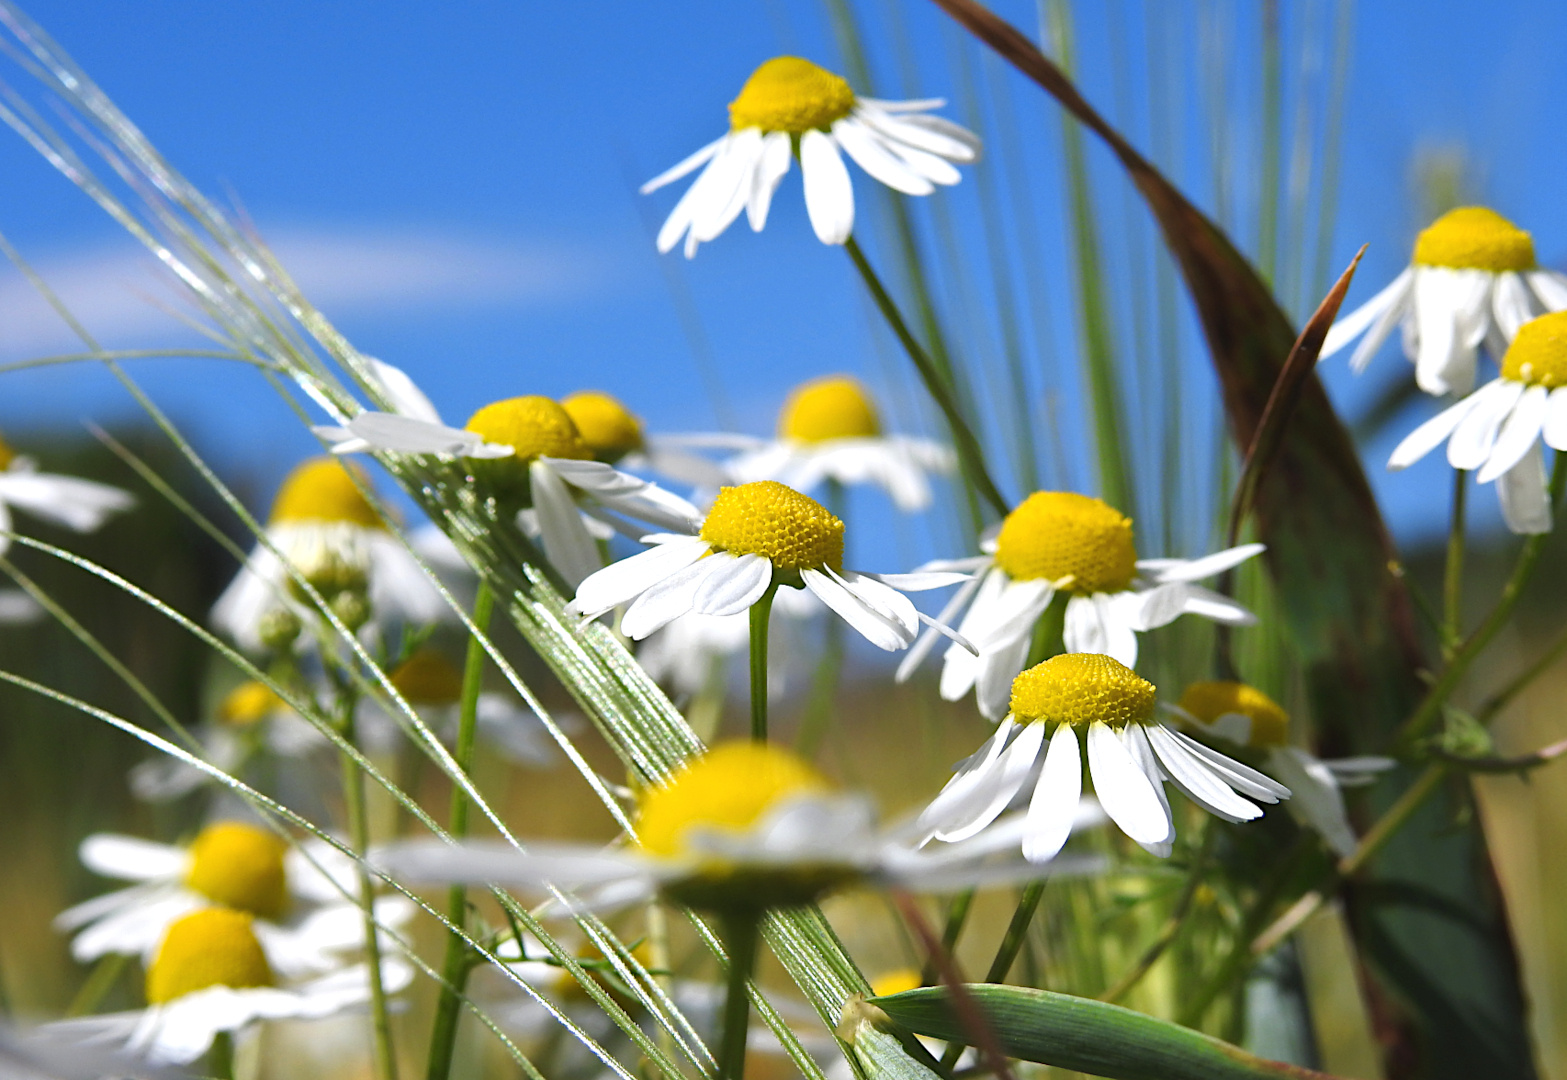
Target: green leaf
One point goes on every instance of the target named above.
(1086, 1035)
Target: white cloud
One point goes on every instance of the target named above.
(115, 290)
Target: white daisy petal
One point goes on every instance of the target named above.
(1162, 570)
(777, 153)
(1518, 434)
(684, 167)
(410, 435)
(402, 393)
(1124, 790)
(1396, 314)
(920, 581)
(131, 858)
(879, 629)
(870, 155)
(991, 790)
(881, 597)
(1135, 739)
(904, 129)
(664, 601)
(1054, 805)
(732, 584)
(1523, 491)
(1013, 613)
(1243, 778)
(829, 195)
(1348, 327)
(566, 540)
(970, 773)
(1555, 427)
(732, 177)
(1217, 607)
(1431, 434)
(1197, 782)
(1475, 436)
(1155, 607)
(1095, 624)
(1317, 798)
(1550, 287)
(623, 581)
(76, 504)
(965, 139)
(1511, 303)
(998, 667)
(916, 655)
(1446, 362)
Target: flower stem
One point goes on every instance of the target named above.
(957, 915)
(1006, 955)
(970, 454)
(459, 960)
(220, 1058)
(760, 612)
(1453, 575)
(824, 685)
(739, 931)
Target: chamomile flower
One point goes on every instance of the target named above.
(212, 971)
(1247, 717)
(790, 107)
(829, 430)
(755, 537)
(1473, 282)
(746, 826)
(1059, 541)
(298, 896)
(1130, 754)
(1498, 428)
(527, 451)
(687, 652)
(76, 504)
(323, 526)
(617, 436)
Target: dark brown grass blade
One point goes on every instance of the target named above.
(1429, 923)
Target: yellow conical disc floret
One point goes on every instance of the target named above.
(729, 788)
(609, 428)
(211, 947)
(1208, 701)
(1474, 238)
(239, 866)
(1058, 535)
(7, 455)
(427, 678)
(793, 531)
(832, 407)
(322, 489)
(532, 426)
(790, 94)
(249, 703)
(1538, 354)
(1082, 689)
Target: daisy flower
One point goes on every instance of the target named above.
(1498, 428)
(1061, 542)
(300, 898)
(1473, 282)
(756, 537)
(76, 504)
(790, 107)
(324, 527)
(617, 436)
(212, 972)
(1247, 717)
(17, 607)
(527, 451)
(829, 430)
(1131, 753)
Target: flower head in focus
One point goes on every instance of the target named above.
(1130, 752)
(68, 501)
(1245, 716)
(755, 537)
(1473, 281)
(791, 107)
(1061, 542)
(1498, 429)
(326, 529)
(829, 429)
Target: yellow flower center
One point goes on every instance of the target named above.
(610, 429)
(1082, 689)
(834, 407)
(790, 94)
(249, 703)
(211, 947)
(895, 982)
(1062, 536)
(322, 489)
(239, 866)
(7, 455)
(793, 531)
(427, 678)
(1538, 354)
(730, 788)
(532, 426)
(1474, 238)
(1208, 701)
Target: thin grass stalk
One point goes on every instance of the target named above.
(1453, 569)
(1332, 146)
(1272, 143)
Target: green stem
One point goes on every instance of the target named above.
(970, 455)
(957, 915)
(740, 933)
(104, 975)
(1503, 697)
(760, 613)
(220, 1058)
(1431, 707)
(459, 959)
(1172, 926)
(824, 685)
(1453, 575)
(1006, 955)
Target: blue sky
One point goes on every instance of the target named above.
(454, 185)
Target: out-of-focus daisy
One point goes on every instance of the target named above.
(1130, 754)
(829, 430)
(684, 654)
(1246, 716)
(617, 436)
(17, 607)
(80, 505)
(432, 686)
(212, 971)
(324, 527)
(1059, 541)
(527, 451)
(299, 897)
(756, 536)
(1473, 282)
(1498, 428)
(790, 107)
